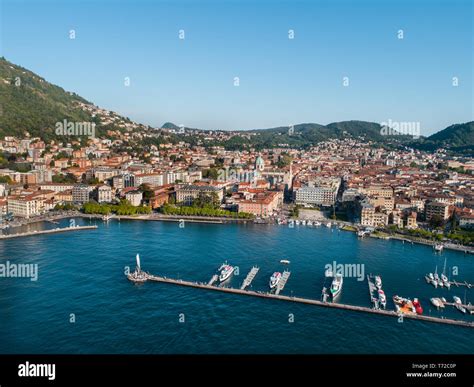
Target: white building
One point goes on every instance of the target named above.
(134, 197)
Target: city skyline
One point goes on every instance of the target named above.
(300, 48)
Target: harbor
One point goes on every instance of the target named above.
(374, 282)
(274, 296)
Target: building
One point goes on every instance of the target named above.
(411, 221)
(153, 179)
(435, 208)
(372, 218)
(81, 193)
(263, 204)
(104, 194)
(134, 197)
(124, 181)
(187, 193)
(24, 206)
(321, 192)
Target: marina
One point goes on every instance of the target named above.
(307, 301)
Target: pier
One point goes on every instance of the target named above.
(250, 276)
(282, 282)
(42, 232)
(355, 308)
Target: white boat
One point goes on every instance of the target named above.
(317, 224)
(328, 225)
(226, 272)
(431, 277)
(309, 223)
(138, 275)
(382, 298)
(336, 285)
(437, 302)
(275, 279)
(297, 222)
(444, 278)
(378, 282)
(303, 222)
(285, 261)
(457, 300)
(438, 247)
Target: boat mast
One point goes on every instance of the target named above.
(138, 262)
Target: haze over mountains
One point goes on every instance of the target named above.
(30, 104)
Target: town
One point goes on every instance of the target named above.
(364, 185)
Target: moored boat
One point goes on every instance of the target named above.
(382, 298)
(378, 282)
(275, 279)
(336, 285)
(226, 272)
(417, 305)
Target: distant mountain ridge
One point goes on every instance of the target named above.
(28, 103)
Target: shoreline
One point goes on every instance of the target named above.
(341, 225)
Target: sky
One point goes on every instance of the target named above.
(345, 60)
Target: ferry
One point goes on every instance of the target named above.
(285, 261)
(226, 272)
(382, 298)
(336, 285)
(275, 279)
(378, 282)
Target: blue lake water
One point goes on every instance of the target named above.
(82, 273)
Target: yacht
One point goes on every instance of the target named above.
(437, 302)
(226, 272)
(457, 300)
(275, 279)
(378, 282)
(382, 298)
(417, 305)
(336, 285)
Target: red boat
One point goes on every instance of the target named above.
(417, 305)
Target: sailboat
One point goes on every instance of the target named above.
(138, 275)
(436, 281)
(444, 278)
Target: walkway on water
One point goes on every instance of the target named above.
(308, 301)
(52, 231)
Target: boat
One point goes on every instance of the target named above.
(297, 222)
(457, 300)
(303, 222)
(431, 277)
(362, 233)
(106, 218)
(404, 305)
(438, 247)
(275, 279)
(444, 278)
(226, 272)
(309, 223)
(285, 261)
(417, 305)
(317, 224)
(378, 282)
(328, 225)
(382, 298)
(336, 285)
(138, 275)
(437, 302)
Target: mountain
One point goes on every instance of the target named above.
(30, 104)
(457, 135)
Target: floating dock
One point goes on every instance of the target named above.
(308, 301)
(250, 276)
(42, 232)
(455, 283)
(213, 280)
(281, 284)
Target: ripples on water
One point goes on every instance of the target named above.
(83, 273)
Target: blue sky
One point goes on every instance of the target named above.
(282, 81)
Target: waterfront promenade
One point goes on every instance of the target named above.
(43, 232)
